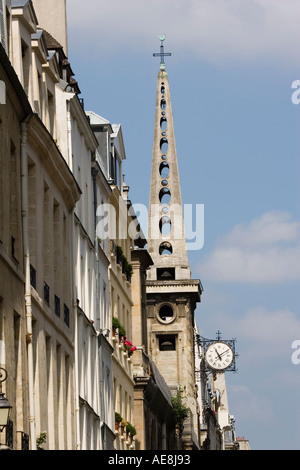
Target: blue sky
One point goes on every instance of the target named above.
(238, 146)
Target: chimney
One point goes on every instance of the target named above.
(52, 16)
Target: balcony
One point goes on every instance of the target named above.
(122, 261)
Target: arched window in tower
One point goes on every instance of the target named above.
(165, 249)
(164, 196)
(162, 89)
(164, 170)
(164, 145)
(165, 225)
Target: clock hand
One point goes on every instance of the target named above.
(219, 357)
(225, 352)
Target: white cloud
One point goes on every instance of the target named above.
(265, 367)
(265, 250)
(268, 333)
(211, 30)
(262, 333)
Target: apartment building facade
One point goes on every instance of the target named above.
(49, 173)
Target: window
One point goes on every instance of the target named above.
(66, 315)
(164, 170)
(167, 343)
(32, 276)
(57, 305)
(165, 274)
(46, 293)
(26, 66)
(165, 225)
(165, 249)
(164, 145)
(51, 112)
(112, 168)
(163, 123)
(166, 313)
(164, 196)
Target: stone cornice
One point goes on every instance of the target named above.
(188, 286)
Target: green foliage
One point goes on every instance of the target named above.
(129, 270)
(41, 439)
(180, 411)
(118, 417)
(119, 254)
(122, 331)
(131, 429)
(115, 323)
(123, 261)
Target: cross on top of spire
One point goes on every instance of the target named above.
(162, 54)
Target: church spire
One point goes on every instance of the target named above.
(171, 294)
(166, 236)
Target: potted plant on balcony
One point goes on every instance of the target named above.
(130, 432)
(122, 334)
(119, 254)
(118, 419)
(128, 346)
(127, 269)
(115, 325)
(123, 426)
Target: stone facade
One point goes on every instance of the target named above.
(60, 265)
(12, 278)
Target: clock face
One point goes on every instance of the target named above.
(219, 355)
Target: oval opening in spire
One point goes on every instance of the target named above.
(164, 145)
(163, 123)
(165, 225)
(164, 196)
(164, 170)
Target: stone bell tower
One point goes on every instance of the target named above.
(171, 293)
